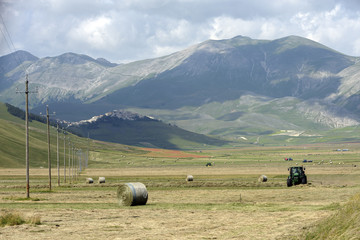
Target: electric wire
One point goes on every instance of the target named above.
(11, 46)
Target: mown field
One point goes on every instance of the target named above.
(225, 201)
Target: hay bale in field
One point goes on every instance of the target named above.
(132, 194)
(189, 178)
(89, 180)
(262, 178)
(101, 180)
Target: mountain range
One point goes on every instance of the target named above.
(231, 88)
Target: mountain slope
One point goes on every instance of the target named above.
(78, 78)
(226, 70)
(8, 65)
(206, 88)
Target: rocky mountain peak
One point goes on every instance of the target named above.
(73, 58)
(13, 60)
(113, 116)
(124, 115)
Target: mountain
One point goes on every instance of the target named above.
(133, 129)
(219, 71)
(9, 63)
(233, 87)
(68, 77)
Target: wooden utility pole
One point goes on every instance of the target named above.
(48, 138)
(72, 163)
(27, 134)
(57, 154)
(80, 155)
(69, 159)
(87, 152)
(64, 157)
(27, 137)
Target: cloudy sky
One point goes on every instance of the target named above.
(129, 30)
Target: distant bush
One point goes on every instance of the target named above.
(12, 219)
(17, 112)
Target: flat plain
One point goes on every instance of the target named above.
(225, 201)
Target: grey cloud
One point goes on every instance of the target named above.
(127, 30)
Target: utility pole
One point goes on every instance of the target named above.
(27, 134)
(87, 152)
(64, 156)
(80, 159)
(27, 137)
(77, 164)
(69, 159)
(57, 154)
(48, 138)
(72, 163)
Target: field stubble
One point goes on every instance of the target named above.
(225, 201)
(221, 203)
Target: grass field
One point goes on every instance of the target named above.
(225, 201)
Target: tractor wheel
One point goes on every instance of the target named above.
(304, 180)
(289, 182)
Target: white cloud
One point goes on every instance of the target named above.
(227, 27)
(133, 29)
(356, 46)
(271, 29)
(337, 28)
(94, 32)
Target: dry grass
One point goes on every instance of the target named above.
(221, 203)
(344, 224)
(11, 219)
(15, 218)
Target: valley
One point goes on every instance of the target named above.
(224, 201)
(226, 112)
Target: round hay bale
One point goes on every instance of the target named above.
(262, 178)
(132, 194)
(101, 180)
(89, 180)
(189, 178)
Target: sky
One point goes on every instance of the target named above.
(128, 30)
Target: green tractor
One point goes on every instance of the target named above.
(297, 176)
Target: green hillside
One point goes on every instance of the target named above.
(139, 133)
(12, 142)
(144, 132)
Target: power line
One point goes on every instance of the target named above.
(11, 46)
(7, 32)
(5, 38)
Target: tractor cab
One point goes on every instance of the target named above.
(296, 171)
